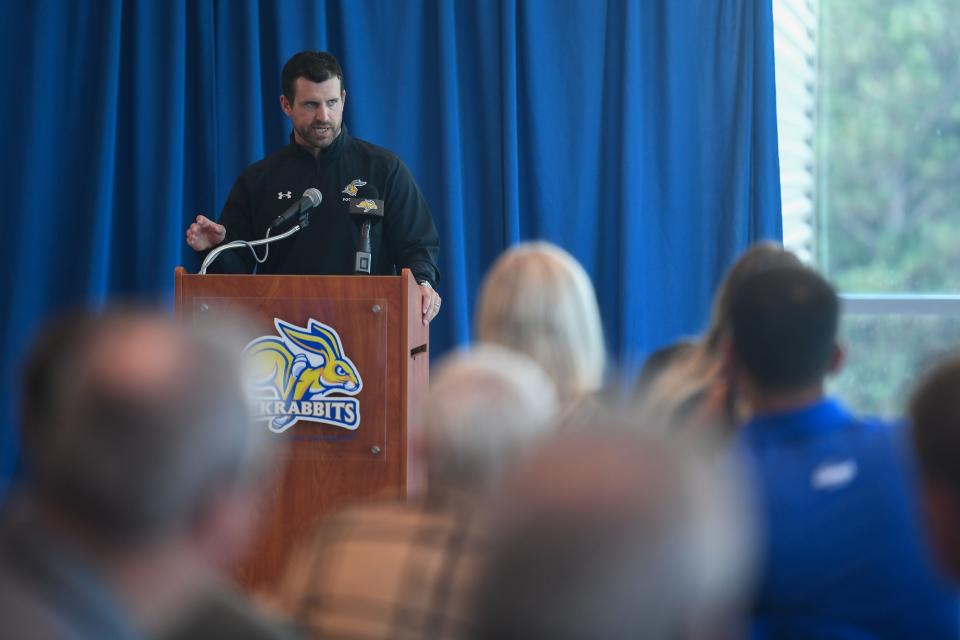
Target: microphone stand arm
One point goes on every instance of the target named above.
(250, 245)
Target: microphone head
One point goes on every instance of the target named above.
(313, 197)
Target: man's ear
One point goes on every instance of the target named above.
(285, 105)
(343, 98)
(837, 360)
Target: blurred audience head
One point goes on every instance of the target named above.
(133, 427)
(485, 406)
(784, 328)
(607, 532)
(659, 362)
(934, 414)
(758, 258)
(538, 300)
(689, 389)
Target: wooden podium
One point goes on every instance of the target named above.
(378, 321)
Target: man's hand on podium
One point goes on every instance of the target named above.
(430, 302)
(205, 233)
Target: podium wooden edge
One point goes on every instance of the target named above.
(416, 341)
(178, 274)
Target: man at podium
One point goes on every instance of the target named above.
(323, 155)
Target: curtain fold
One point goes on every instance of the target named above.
(639, 135)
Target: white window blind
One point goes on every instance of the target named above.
(795, 51)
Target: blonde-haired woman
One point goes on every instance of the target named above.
(538, 300)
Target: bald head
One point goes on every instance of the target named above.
(609, 534)
(131, 423)
(138, 356)
(486, 406)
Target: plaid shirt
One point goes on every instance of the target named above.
(389, 570)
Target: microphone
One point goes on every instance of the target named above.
(366, 211)
(311, 198)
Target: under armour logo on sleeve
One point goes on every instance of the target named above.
(284, 194)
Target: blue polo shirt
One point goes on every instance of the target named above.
(845, 554)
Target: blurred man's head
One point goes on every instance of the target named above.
(935, 426)
(136, 430)
(784, 325)
(757, 258)
(605, 533)
(485, 407)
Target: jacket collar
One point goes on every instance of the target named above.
(821, 417)
(329, 154)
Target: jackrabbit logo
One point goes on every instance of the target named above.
(296, 374)
(351, 189)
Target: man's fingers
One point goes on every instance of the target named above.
(428, 303)
(431, 306)
(205, 233)
(204, 223)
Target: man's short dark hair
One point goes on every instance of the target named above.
(53, 354)
(934, 414)
(784, 325)
(315, 66)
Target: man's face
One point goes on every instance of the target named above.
(316, 112)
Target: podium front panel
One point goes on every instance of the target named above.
(335, 422)
(342, 364)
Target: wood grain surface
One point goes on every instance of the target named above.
(379, 322)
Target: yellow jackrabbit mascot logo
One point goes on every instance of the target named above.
(295, 374)
(351, 189)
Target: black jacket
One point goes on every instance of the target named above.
(406, 236)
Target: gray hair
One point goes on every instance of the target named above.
(485, 406)
(132, 423)
(538, 300)
(612, 534)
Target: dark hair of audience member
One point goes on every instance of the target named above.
(758, 258)
(690, 391)
(934, 414)
(131, 462)
(53, 354)
(785, 327)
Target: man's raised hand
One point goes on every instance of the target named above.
(205, 233)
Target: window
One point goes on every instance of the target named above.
(869, 118)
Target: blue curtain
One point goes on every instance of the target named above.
(639, 135)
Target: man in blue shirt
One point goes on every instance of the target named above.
(845, 555)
